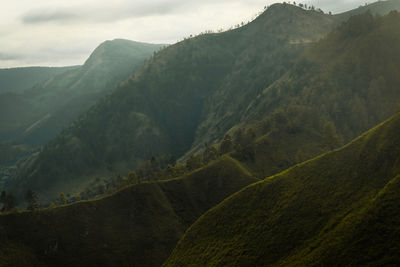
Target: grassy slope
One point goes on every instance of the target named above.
(320, 212)
(138, 226)
(278, 150)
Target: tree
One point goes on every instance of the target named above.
(226, 144)
(193, 162)
(31, 199)
(3, 197)
(8, 200)
(242, 138)
(329, 135)
(63, 199)
(133, 178)
(238, 138)
(210, 154)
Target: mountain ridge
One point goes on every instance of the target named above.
(137, 226)
(164, 102)
(190, 94)
(294, 217)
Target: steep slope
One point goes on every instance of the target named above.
(50, 106)
(188, 94)
(17, 80)
(377, 8)
(138, 226)
(193, 92)
(322, 212)
(349, 80)
(31, 118)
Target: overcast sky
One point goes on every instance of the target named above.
(65, 32)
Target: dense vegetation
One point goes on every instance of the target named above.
(348, 81)
(193, 92)
(205, 118)
(179, 100)
(137, 226)
(337, 209)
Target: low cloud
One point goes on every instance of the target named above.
(43, 15)
(105, 13)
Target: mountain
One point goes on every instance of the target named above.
(17, 80)
(348, 80)
(30, 118)
(38, 114)
(378, 8)
(137, 226)
(339, 209)
(192, 93)
(188, 94)
(288, 86)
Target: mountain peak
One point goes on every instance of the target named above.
(109, 50)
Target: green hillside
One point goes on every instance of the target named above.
(17, 80)
(340, 208)
(188, 94)
(138, 226)
(274, 99)
(348, 80)
(258, 75)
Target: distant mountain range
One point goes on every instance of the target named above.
(17, 80)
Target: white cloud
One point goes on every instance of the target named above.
(64, 32)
